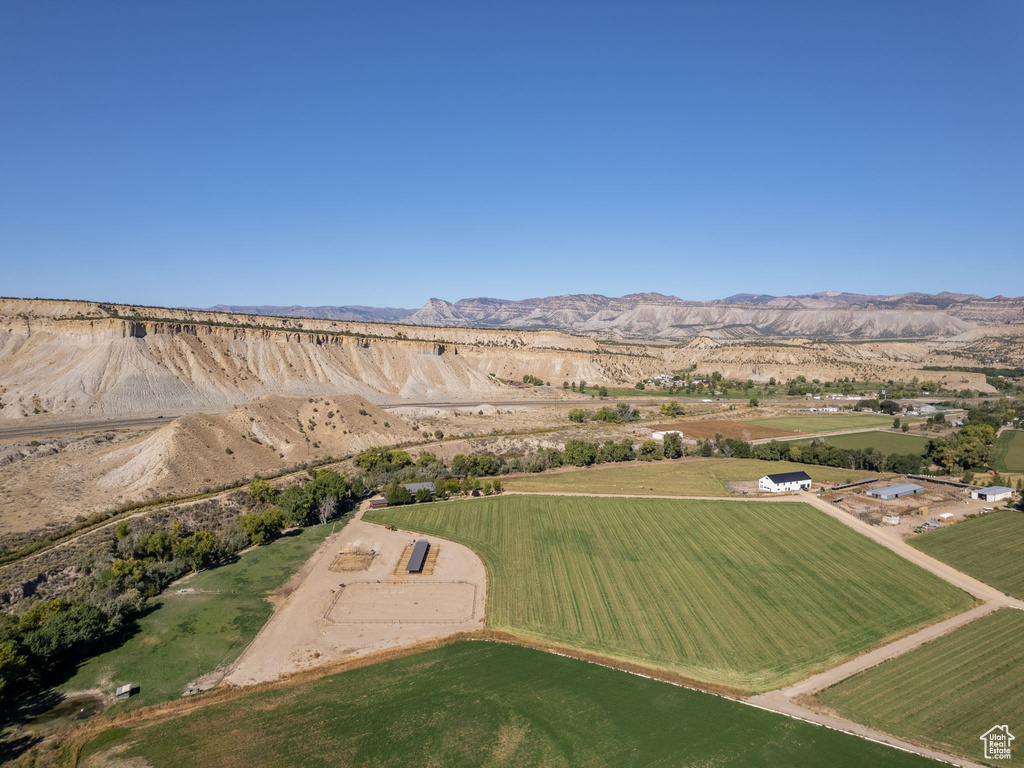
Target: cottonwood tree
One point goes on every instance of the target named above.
(327, 508)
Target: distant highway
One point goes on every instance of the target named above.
(51, 430)
(32, 431)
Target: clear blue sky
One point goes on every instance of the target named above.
(191, 153)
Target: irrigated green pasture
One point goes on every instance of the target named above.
(710, 477)
(812, 424)
(488, 704)
(751, 595)
(989, 548)
(947, 692)
(886, 442)
(1008, 452)
(190, 634)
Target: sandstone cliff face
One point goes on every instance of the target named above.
(89, 361)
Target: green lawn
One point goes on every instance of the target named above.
(1008, 453)
(826, 422)
(947, 692)
(886, 442)
(710, 477)
(488, 704)
(188, 635)
(751, 595)
(989, 548)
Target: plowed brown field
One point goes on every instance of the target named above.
(726, 428)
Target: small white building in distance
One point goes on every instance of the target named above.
(785, 481)
(992, 493)
(891, 519)
(661, 435)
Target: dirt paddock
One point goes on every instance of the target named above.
(408, 602)
(354, 597)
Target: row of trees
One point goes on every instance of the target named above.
(820, 452)
(620, 414)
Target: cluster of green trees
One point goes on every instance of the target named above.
(138, 562)
(620, 414)
(968, 448)
(534, 380)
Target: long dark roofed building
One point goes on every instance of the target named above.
(418, 556)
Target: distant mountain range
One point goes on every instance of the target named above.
(654, 316)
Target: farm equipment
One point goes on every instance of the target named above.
(391, 527)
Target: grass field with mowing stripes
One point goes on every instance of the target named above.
(188, 635)
(885, 442)
(710, 477)
(813, 424)
(488, 704)
(1008, 452)
(989, 548)
(948, 692)
(751, 595)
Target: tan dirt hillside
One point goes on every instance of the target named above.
(187, 455)
(75, 361)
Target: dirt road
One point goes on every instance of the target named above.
(892, 541)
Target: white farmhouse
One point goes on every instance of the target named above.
(785, 481)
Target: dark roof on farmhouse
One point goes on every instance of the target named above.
(788, 477)
(419, 554)
(416, 487)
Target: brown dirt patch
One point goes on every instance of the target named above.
(743, 430)
(352, 559)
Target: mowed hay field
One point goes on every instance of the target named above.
(478, 703)
(812, 424)
(192, 634)
(989, 548)
(886, 442)
(947, 692)
(700, 477)
(750, 595)
(1008, 452)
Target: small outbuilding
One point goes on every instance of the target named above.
(379, 503)
(785, 481)
(125, 691)
(891, 519)
(992, 493)
(896, 491)
(418, 556)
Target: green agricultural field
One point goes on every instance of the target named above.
(812, 424)
(946, 693)
(751, 595)
(886, 442)
(1008, 452)
(710, 477)
(476, 703)
(188, 635)
(989, 548)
